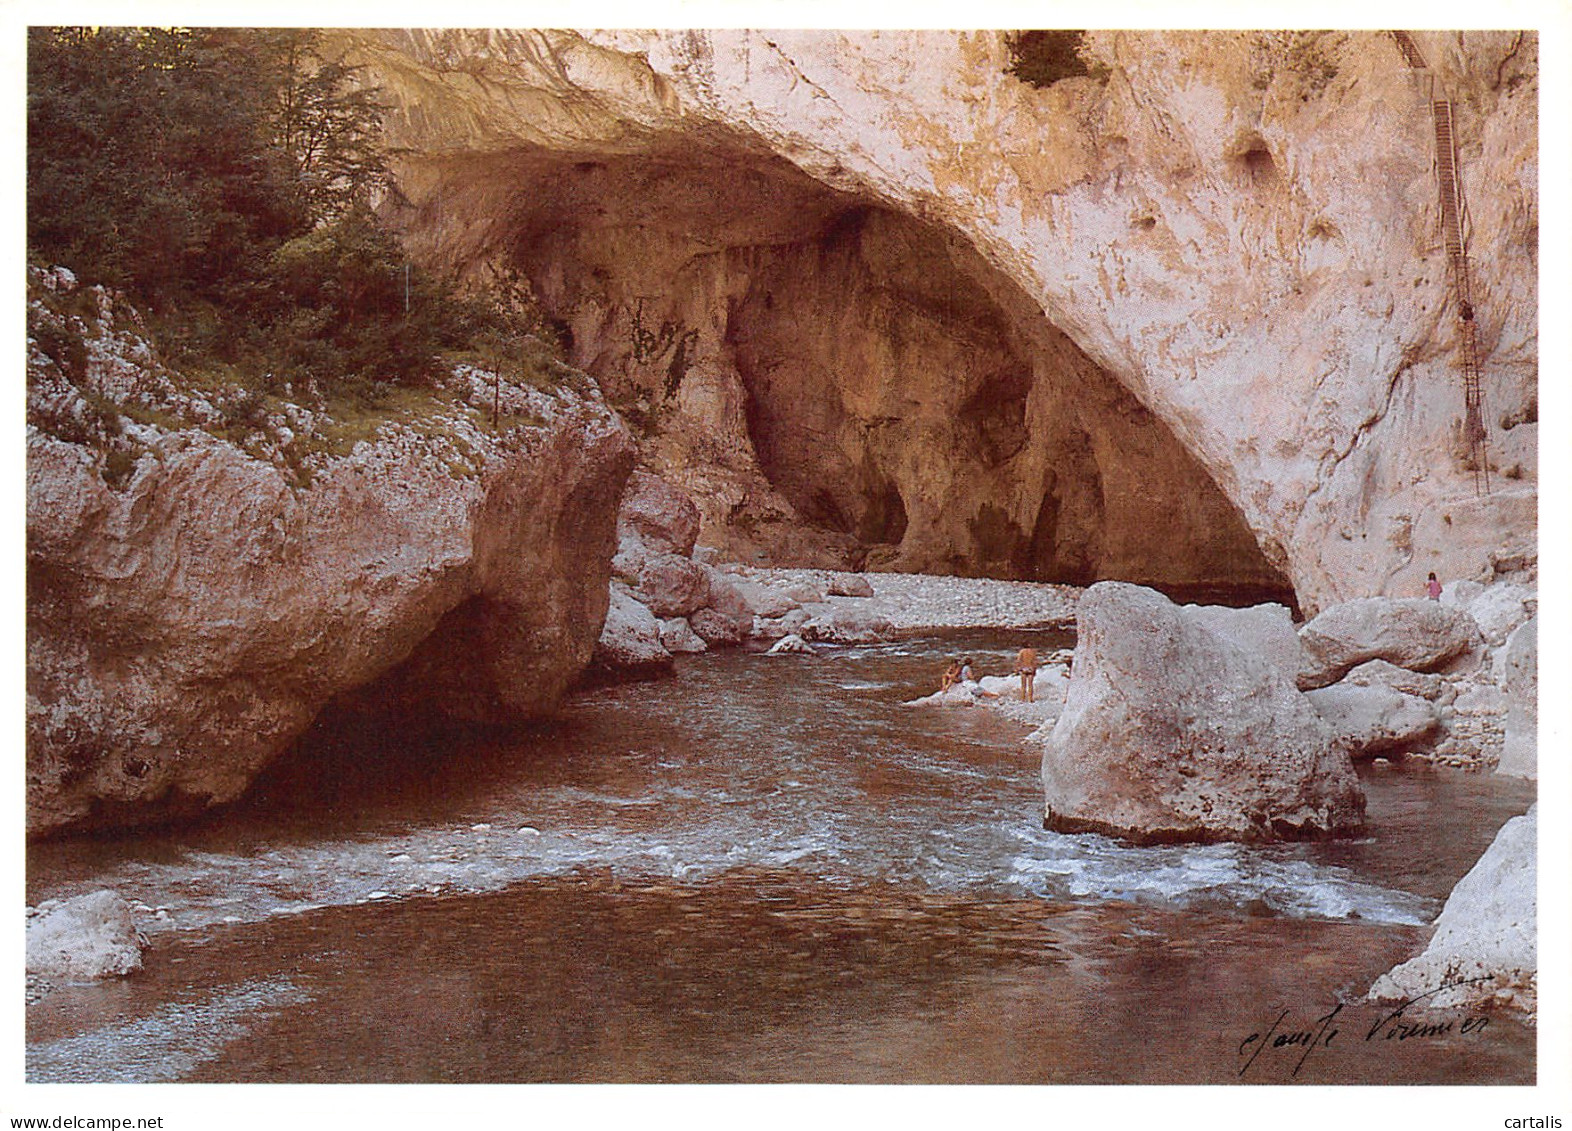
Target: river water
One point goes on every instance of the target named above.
(763, 869)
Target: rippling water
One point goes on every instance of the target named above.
(766, 868)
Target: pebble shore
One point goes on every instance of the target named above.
(921, 602)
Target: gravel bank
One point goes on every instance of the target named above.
(920, 602)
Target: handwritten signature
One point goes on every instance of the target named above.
(1394, 1025)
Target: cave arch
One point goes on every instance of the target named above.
(838, 383)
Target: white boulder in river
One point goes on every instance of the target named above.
(1483, 951)
(1412, 633)
(92, 936)
(1171, 732)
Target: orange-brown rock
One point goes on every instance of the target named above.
(867, 294)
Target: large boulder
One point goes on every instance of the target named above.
(673, 586)
(677, 636)
(187, 624)
(83, 939)
(849, 585)
(844, 620)
(1520, 681)
(1267, 630)
(1499, 608)
(659, 515)
(1369, 720)
(631, 635)
(1484, 947)
(1170, 732)
(727, 619)
(766, 601)
(1411, 632)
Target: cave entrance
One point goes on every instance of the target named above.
(841, 385)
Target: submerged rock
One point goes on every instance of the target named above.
(791, 644)
(1171, 732)
(83, 939)
(1484, 947)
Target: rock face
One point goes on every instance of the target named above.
(188, 621)
(1171, 732)
(83, 939)
(1485, 944)
(1520, 680)
(971, 324)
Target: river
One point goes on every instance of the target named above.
(764, 869)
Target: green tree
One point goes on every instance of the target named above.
(328, 125)
(148, 162)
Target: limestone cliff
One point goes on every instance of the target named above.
(869, 293)
(195, 599)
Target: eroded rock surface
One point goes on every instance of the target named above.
(1218, 258)
(1171, 732)
(187, 620)
(1484, 950)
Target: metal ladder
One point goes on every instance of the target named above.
(1454, 226)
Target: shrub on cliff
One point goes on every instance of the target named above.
(225, 179)
(1043, 57)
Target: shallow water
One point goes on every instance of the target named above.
(764, 869)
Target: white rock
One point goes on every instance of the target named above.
(1413, 633)
(1371, 720)
(1170, 732)
(764, 600)
(92, 936)
(677, 637)
(849, 585)
(1520, 684)
(850, 623)
(1487, 930)
(631, 635)
(1266, 630)
(1500, 609)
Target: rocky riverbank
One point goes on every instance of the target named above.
(205, 577)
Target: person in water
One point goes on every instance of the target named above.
(1433, 588)
(1026, 668)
